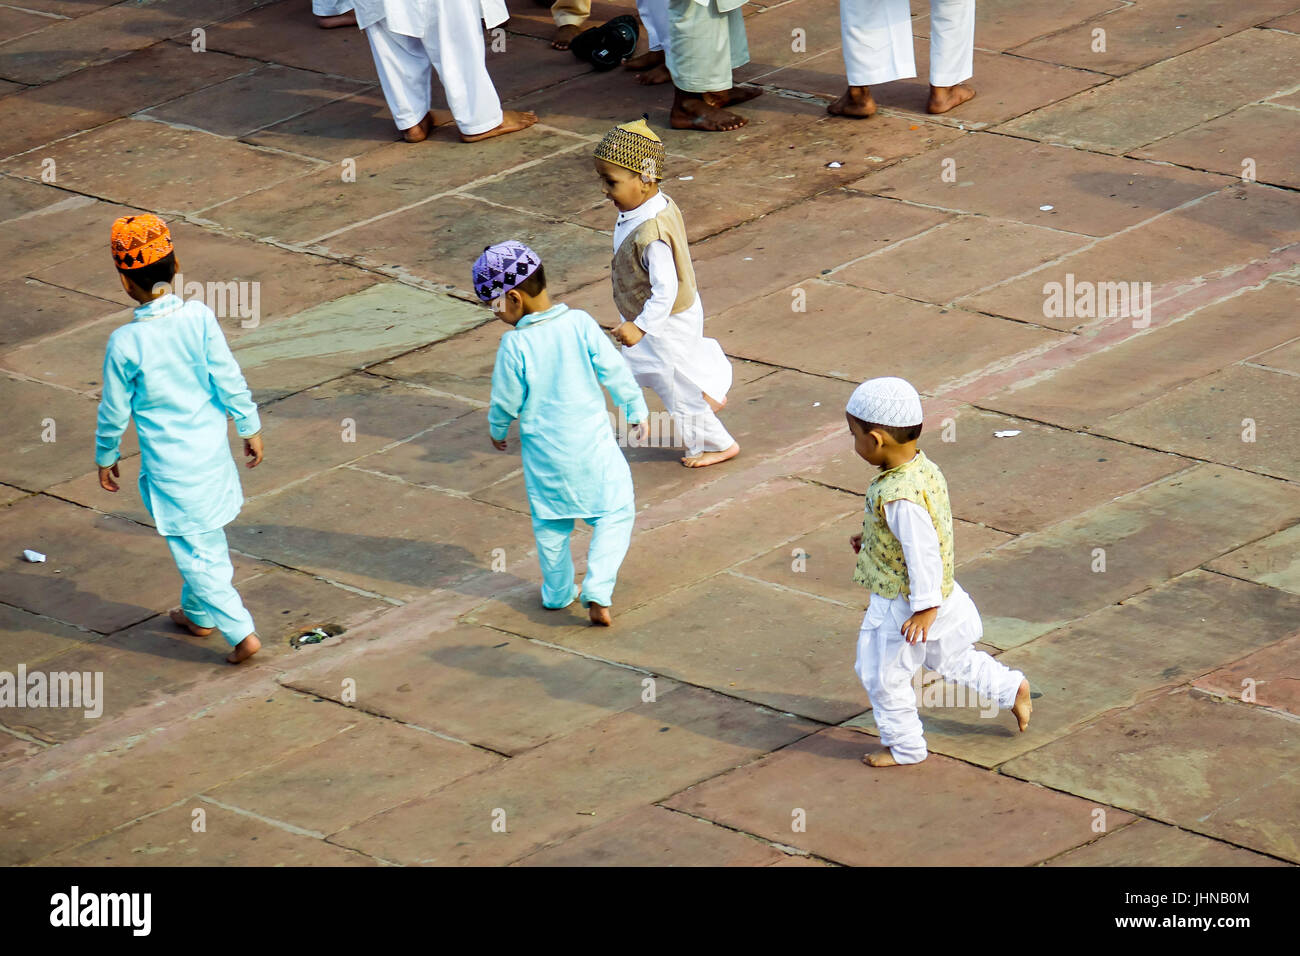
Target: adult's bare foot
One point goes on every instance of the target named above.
(1022, 708)
(599, 615)
(180, 620)
(244, 649)
(711, 457)
(944, 98)
(856, 102)
(564, 35)
(695, 113)
(644, 61)
(432, 120)
(512, 121)
(348, 19)
(654, 76)
(880, 758)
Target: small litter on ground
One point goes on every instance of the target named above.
(34, 557)
(1009, 433)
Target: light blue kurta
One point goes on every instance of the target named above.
(173, 371)
(549, 372)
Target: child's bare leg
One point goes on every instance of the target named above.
(704, 459)
(1022, 708)
(856, 102)
(180, 619)
(244, 649)
(512, 121)
(599, 615)
(944, 98)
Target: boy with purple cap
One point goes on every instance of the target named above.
(548, 375)
(918, 613)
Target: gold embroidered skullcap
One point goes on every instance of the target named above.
(634, 146)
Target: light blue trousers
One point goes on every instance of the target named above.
(704, 46)
(208, 597)
(610, 536)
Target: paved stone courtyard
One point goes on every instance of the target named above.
(1133, 547)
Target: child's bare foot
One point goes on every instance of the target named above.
(711, 457)
(348, 19)
(856, 102)
(713, 403)
(1022, 708)
(599, 615)
(244, 649)
(654, 76)
(944, 98)
(432, 120)
(180, 620)
(564, 35)
(512, 121)
(880, 758)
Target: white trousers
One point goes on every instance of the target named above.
(453, 45)
(654, 17)
(699, 427)
(886, 664)
(877, 40)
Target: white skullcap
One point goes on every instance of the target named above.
(886, 401)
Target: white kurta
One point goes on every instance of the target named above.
(877, 41)
(886, 663)
(409, 37)
(673, 357)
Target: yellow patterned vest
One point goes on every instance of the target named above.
(881, 567)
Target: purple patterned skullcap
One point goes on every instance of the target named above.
(502, 267)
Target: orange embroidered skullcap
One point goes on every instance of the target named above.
(139, 241)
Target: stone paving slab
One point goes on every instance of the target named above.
(1169, 634)
(1136, 110)
(40, 310)
(1229, 230)
(390, 177)
(1270, 676)
(29, 639)
(363, 771)
(1153, 363)
(106, 789)
(929, 345)
(1147, 843)
(17, 23)
(772, 40)
(229, 839)
(1284, 358)
(460, 365)
(8, 494)
(483, 687)
(287, 34)
(101, 572)
(1090, 194)
(15, 750)
(1274, 560)
(1147, 537)
(1212, 419)
(252, 101)
(101, 94)
(927, 268)
(377, 534)
(1271, 137)
(822, 562)
(32, 462)
(208, 170)
(1140, 36)
(1221, 769)
(608, 769)
(862, 816)
(653, 836)
(1004, 24)
(56, 232)
(344, 129)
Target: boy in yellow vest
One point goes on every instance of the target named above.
(654, 289)
(918, 613)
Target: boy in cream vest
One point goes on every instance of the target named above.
(654, 289)
(918, 614)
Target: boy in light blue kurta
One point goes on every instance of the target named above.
(173, 371)
(548, 375)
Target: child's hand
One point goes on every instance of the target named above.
(628, 333)
(855, 541)
(917, 627)
(253, 449)
(106, 476)
(641, 430)
(499, 445)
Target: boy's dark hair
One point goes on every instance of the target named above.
(146, 277)
(899, 433)
(535, 284)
